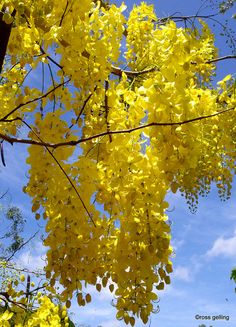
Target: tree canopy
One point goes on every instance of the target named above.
(122, 110)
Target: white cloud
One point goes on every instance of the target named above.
(34, 258)
(223, 246)
(31, 262)
(177, 244)
(98, 312)
(182, 273)
(171, 291)
(109, 323)
(103, 295)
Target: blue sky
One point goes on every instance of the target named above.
(204, 243)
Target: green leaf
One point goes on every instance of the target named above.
(233, 275)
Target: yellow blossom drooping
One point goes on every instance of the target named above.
(108, 143)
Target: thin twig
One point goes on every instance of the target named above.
(20, 247)
(2, 153)
(42, 91)
(64, 12)
(33, 100)
(184, 18)
(107, 109)
(221, 58)
(83, 107)
(8, 266)
(53, 82)
(63, 171)
(51, 59)
(36, 289)
(2, 196)
(72, 184)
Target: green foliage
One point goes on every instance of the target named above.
(71, 324)
(226, 5)
(227, 31)
(12, 238)
(221, 6)
(233, 274)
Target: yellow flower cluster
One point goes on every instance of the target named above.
(46, 315)
(29, 310)
(105, 202)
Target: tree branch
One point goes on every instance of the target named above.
(221, 58)
(184, 18)
(9, 266)
(13, 140)
(36, 289)
(7, 299)
(118, 71)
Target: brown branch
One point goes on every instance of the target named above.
(13, 140)
(7, 299)
(118, 71)
(131, 74)
(31, 101)
(5, 294)
(114, 70)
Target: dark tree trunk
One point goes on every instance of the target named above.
(5, 31)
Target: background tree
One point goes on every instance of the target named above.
(21, 302)
(222, 6)
(12, 236)
(111, 134)
(233, 275)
